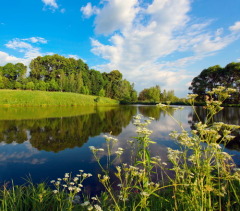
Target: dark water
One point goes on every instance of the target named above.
(48, 147)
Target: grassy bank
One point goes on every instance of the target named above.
(27, 98)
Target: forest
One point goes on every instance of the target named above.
(58, 73)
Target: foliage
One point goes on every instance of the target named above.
(57, 73)
(154, 94)
(215, 76)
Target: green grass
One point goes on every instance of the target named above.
(28, 98)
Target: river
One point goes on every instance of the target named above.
(46, 143)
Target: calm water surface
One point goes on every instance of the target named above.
(34, 142)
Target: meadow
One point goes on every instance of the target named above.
(27, 98)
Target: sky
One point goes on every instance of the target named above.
(151, 42)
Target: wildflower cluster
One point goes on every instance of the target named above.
(204, 175)
(119, 151)
(202, 169)
(93, 149)
(87, 205)
(71, 185)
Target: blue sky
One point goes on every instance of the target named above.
(152, 42)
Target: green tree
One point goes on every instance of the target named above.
(1, 82)
(30, 85)
(41, 85)
(18, 85)
(151, 94)
(102, 93)
(79, 82)
(53, 85)
(14, 71)
(97, 81)
(215, 76)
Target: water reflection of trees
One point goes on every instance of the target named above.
(229, 115)
(56, 134)
(154, 111)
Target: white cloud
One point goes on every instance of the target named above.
(51, 3)
(36, 40)
(73, 56)
(24, 47)
(143, 39)
(18, 44)
(89, 10)
(235, 27)
(116, 15)
(6, 58)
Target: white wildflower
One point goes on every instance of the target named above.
(86, 203)
(97, 207)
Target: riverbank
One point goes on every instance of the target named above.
(27, 98)
(197, 175)
(177, 103)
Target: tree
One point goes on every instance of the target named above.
(97, 81)
(79, 82)
(14, 71)
(102, 93)
(151, 94)
(30, 86)
(214, 76)
(41, 85)
(18, 85)
(2, 82)
(53, 85)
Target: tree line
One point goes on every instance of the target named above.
(155, 94)
(57, 73)
(214, 76)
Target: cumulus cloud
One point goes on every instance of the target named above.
(73, 56)
(26, 47)
(235, 27)
(116, 15)
(51, 3)
(142, 39)
(36, 40)
(53, 6)
(89, 10)
(6, 58)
